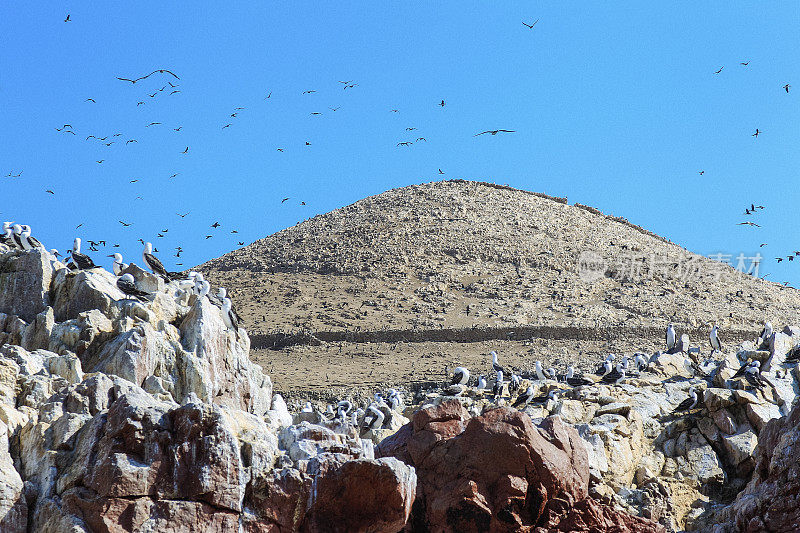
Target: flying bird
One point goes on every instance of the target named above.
(101, 160)
(718, 71)
(757, 133)
(441, 104)
(125, 224)
(10, 175)
(131, 141)
(335, 108)
(152, 124)
(90, 100)
(440, 171)
(144, 77)
(186, 151)
(67, 19)
(530, 26)
(284, 200)
(241, 243)
(748, 224)
(308, 92)
(178, 128)
(182, 216)
(786, 87)
(494, 132)
(215, 225)
(745, 64)
(227, 126)
(407, 143)
(49, 191)
(702, 172)
(175, 91)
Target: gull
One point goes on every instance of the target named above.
(308, 92)
(216, 225)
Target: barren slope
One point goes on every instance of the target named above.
(464, 254)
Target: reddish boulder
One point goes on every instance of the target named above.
(500, 472)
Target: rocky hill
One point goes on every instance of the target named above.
(460, 254)
(397, 287)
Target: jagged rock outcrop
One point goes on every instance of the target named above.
(769, 502)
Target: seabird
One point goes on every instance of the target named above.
(670, 336)
(82, 261)
(155, 265)
(573, 381)
(395, 400)
(127, 285)
(118, 266)
(744, 367)
(28, 242)
(713, 338)
(481, 382)
(17, 236)
(642, 362)
(373, 418)
(614, 376)
(495, 365)
(539, 373)
(228, 316)
(8, 235)
(793, 355)
(201, 287)
(605, 368)
(524, 398)
(765, 334)
(307, 408)
(514, 383)
(689, 403)
(753, 376)
(343, 408)
(497, 389)
(460, 376)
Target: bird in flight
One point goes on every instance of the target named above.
(718, 71)
(186, 151)
(67, 19)
(284, 200)
(757, 133)
(441, 104)
(209, 236)
(152, 124)
(745, 64)
(440, 171)
(63, 127)
(407, 143)
(227, 126)
(334, 108)
(702, 172)
(748, 224)
(174, 175)
(131, 141)
(786, 87)
(316, 113)
(178, 128)
(182, 216)
(308, 143)
(139, 103)
(270, 94)
(51, 192)
(494, 132)
(397, 110)
(410, 129)
(346, 82)
(134, 181)
(10, 175)
(763, 244)
(175, 91)
(101, 160)
(307, 92)
(280, 149)
(125, 224)
(234, 115)
(144, 77)
(215, 225)
(90, 100)
(779, 259)
(241, 243)
(422, 139)
(530, 26)
(234, 231)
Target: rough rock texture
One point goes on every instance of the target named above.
(769, 502)
(535, 475)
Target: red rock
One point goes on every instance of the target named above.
(499, 472)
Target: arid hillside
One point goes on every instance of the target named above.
(470, 258)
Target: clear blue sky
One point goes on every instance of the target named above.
(615, 106)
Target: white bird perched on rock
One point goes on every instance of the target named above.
(713, 338)
(551, 373)
(765, 334)
(514, 383)
(689, 403)
(670, 336)
(201, 287)
(495, 365)
(642, 361)
(83, 262)
(343, 408)
(539, 372)
(28, 242)
(460, 376)
(524, 398)
(308, 408)
(16, 234)
(155, 265)
(614, 376)
(228, 317)
(373, 418)
(118, 266)
(574, 381)
(7, 237)
(395, 400)
(127, 285)
(497, 389)
(355, 416)
(739, 373)
(481, 382)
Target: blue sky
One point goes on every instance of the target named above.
(615, 106)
